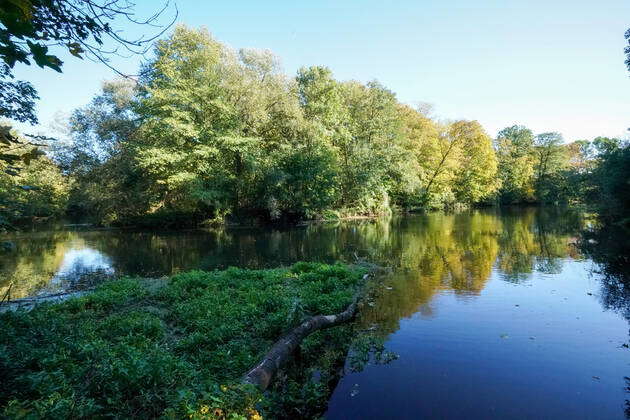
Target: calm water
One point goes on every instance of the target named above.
(493, 314)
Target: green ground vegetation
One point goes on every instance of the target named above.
(176, 348)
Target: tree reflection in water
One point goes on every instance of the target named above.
(608, 246)
(427, 253)
(455, 251)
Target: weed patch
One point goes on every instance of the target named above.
(178, 351)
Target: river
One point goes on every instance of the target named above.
(492, 313)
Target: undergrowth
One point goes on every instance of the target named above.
(177, 351)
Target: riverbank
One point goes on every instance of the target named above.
(182, 222)
(177, 348)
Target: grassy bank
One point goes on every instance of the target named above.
(138, 348)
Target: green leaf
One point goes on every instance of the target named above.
(75, 49)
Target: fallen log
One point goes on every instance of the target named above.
(29, 303)
(262, 374)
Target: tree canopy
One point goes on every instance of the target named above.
(209, 133)
(213, 131)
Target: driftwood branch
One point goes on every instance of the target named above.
(30, 302)
(262, 374)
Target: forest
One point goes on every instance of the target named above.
(211, 135)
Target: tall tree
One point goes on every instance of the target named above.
(514, 147)
(362, 127)
(551, 158)
(476, 175)
(421, 145)
(100, 156)
(464, 169)
(212, 119)
(371, 148)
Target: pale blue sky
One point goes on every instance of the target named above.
(552, 65)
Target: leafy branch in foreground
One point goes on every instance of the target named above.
(85, 28)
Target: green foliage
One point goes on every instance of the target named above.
(30, 27)
(463, 166)
(360, 127)
(39, 190)
(543, 169)
(31, 185)
(516, 164)
(130, 350)
(107, 183)
(475, 174)
(215, 133)
(211, 134)
(213, 121)
(419, 142)
(17, 98)
(611, 180)
(550, 160)
(303, 182)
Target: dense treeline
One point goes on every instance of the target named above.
(543, 169)
(210, 133)
(214, 132)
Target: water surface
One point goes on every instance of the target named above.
(493, 314)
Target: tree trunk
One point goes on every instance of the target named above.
(262, 374)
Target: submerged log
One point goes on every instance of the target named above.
(262, 374)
